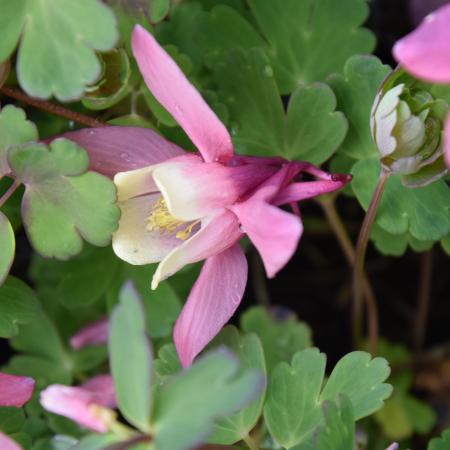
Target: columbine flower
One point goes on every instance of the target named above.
(15, 390)
(179, 208)
(88, 404)
(91, 334)
(425, 53)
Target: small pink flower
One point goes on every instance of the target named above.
(6, 443)
(15, 390)
(88, 404)
(92, 334)
(179, 208)
(425, 53)
(393, 446)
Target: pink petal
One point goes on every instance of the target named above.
(275, 233)
(212, 301)
(78, 404)
(15, 390)
(92, 334)
(393, 446)
(194, 189)
(6, 443)
(447, 142)
(426, 51)
(215, 236)
(172, 89)
(119, 149)
(295, 192)
(102, 386)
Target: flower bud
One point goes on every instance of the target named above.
(407, 123)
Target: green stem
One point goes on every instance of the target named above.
(58, 110)
(329, 207)
(252, 445)
(5, 197)
(259, 280)
(358, 269)
(423, 300)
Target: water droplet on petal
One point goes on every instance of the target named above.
(241, 228)
(125, 156)
(91, 133)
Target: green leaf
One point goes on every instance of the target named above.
(95, 442)
(8, 246)
(161, 306)
(356, 91)
(98, 265)
(15, 129)
(311, 130)
(190, 402)
(158, 10)
(292, 410)
(445, 243)
(59, 202)
(440, 443)
(293, 406)
(131, 359)
(249, 350)
(361, 380)
(314, 130)
(18, 306)
(11, 420)
(338, 433)
(63, 37)
(423, 212)
(303, 47)
(113, 85)
(167, 364)
(280, 339)
(43, 355)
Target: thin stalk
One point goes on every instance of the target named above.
(129, 443)
(360, 255)
(423, 300)
(252, 445)
(259, 280)
(5, 197)
(57, 110)
(328, 205)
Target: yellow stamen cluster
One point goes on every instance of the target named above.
(161, 219)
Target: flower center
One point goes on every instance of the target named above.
(161, 219)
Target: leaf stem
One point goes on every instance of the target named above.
(58, 110)
(328, 204)
(423, 300)
(252, 445)
(5, 197)
(358, 269)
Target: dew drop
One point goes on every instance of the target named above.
(125, 156)
(91, 133)
(268, 71)
(241, 228)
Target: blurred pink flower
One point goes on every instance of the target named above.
(425, 53)
(88, 404)
(15, 390)
(179, 208)
(91, 334)
(393, 446)
(6, 443)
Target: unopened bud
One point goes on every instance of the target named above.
(407, 123)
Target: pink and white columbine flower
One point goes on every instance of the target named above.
(425, 53)
(89, 404)
(15, 391)
(179, 208)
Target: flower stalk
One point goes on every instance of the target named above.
(358, 269)
(57, 110)
(6, 196)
